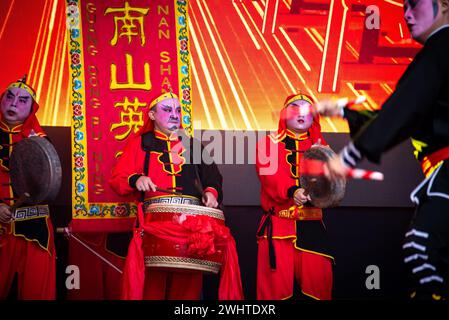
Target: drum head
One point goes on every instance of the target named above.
(35, 168)
(323, 192)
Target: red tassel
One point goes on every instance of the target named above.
(133, 277)
(230, 280)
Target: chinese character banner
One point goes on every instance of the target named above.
(122, 55)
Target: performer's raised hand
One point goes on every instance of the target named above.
(5, 213)
(145, 183)
(300, 197)
(335, 168)
(334, 107)
(209, 200)
(328, 108)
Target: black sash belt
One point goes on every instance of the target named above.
(268, 225)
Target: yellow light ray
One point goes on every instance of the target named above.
(275, 16)
(51, 106)
(250, 64)
(281, 70)
(245, 24)
(215, 78)
(264, 16)
(365, 104)
(386, 88)
(397, 4)
(389, 39)
(6, 18)
(236, 77)
(259, 9)
(289, 59)
(373, 103)
(47, 45)
(326, 44)
(37, 52)
(319, 46)
(60, 77)
(317, 35)
(196, 78)
(261, 87)
(295, 49)
(352, 50)
(209, 81)
(331, 124)
(226, 71)
(400, 30)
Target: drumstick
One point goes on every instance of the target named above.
(168, 191)
(314, 167)
(365, 174)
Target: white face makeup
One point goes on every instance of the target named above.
(16, 105)
(420, 16)
(299, 117)
(166, 115)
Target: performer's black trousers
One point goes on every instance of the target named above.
(426, 245)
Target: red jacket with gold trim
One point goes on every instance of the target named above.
(278, 158)
(170, 167)
(40, 229)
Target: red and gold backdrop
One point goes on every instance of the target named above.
(245, 57)
(122, 53)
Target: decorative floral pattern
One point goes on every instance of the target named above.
(120, 211)
(77, 110)
(79, 135)
(183, 45)
(186, 94)
(81, 207)
(79, 162)
(184, 65)
(78, 126)
(77, 85)
(76, 59)
(94, 210)
(80, 187)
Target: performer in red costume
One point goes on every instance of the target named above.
(26, 245)
(292, 241)
(155, 164)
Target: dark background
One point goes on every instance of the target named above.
(367, 229)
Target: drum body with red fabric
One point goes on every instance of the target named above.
(191, 241)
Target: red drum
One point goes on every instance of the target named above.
(174, 227)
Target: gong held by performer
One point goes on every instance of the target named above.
(182, 232)
(292, 241)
